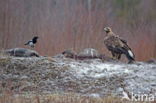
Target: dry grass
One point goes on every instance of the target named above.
(55, 98)
(68, 24)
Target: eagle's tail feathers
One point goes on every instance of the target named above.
(130, 55)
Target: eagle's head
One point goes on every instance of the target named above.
(107, 29)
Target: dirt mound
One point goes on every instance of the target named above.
(64, 75)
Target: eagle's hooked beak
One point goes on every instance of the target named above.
(107, 29)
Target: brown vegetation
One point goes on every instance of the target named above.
(78, 24)
(57, 98)
(24, 80)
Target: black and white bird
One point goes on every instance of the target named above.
(32, 42)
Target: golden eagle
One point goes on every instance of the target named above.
(117, 45)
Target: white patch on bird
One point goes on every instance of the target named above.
(31, 44)
(130, 53)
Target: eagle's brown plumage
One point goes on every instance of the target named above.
(117, 45)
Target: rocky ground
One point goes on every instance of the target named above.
(87, 77)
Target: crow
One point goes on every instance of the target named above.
(32, 42)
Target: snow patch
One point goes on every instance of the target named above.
(98, 70)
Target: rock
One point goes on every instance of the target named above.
(21, 52)
(69, 53)
(59, 56)
(151, 61)
(89, 52)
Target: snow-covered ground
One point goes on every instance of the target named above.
(85, 77)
